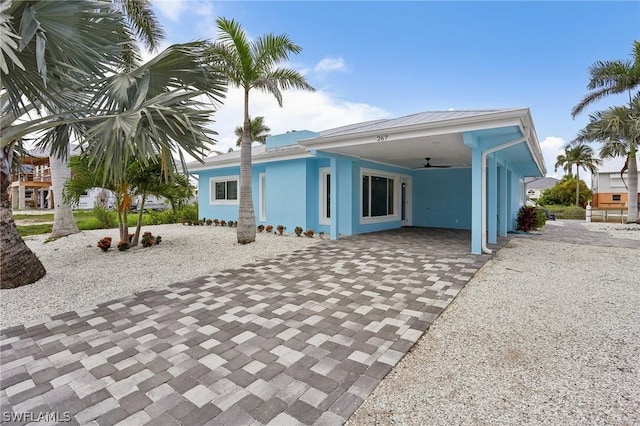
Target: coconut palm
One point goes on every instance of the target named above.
(258, 131)
(581, 156)
(250, 65)
(618, 129)
(610, 78)
(615, 77)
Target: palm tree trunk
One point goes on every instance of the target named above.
(18, 265)
(136, 236)
(632, 170)
(246, 216)
(577, 185)
(63, 220)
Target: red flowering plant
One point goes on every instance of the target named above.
(105, 243)
(149, 240)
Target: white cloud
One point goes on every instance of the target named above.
(301, 110)
(172, 9)
(552, 146)
(329, 65)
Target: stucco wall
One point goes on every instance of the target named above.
(442, 198)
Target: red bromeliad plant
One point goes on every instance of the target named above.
(105, 243)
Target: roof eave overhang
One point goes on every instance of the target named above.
(262, 158)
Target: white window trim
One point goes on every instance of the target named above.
(262, 193)
(396, 196)
(322, 217)
(212, 183)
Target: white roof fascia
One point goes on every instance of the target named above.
(533, 143)
(262, 158)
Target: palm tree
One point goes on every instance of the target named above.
(257, 130)
(139, 180)
(39, 64)
(253, 65)
(580, 156)
(142, 21)
(615, 77)
(618, 129)
(139, 112)
(610, 78)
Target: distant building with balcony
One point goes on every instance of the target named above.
(536, 186)
(609, 188)
(31, 185)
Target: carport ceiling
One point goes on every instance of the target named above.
(446, 149)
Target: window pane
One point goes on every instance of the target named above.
(365, 196)
(378, 196)
(327, 202)
(220, 193)
(390, 197)
(232, 190)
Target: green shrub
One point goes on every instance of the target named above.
(541, 218)
(567, 212)
(106, 218)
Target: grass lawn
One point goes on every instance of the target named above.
(85, 219)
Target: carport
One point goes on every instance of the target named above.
(459, 169)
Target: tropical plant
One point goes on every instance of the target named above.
(258, 131)
(298, 230)
(581, 156)
(139, 180)
(41, 86)
(619, 127)
(618, 130)
(612, 77)
(105, 243)
(564, 192)
(140, 20)
(253, 64)
(80, 89)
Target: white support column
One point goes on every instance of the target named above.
(334, 199)
(503, 212)
(492, 199)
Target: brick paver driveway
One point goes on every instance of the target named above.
(303, 338)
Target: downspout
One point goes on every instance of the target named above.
(483, 183)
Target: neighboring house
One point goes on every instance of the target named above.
(609, 188)
(536, 186)
(31, 186)
(374, 176)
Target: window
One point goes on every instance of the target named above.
(616, 197)
(325, 196)
(224, 190)
(378, 196)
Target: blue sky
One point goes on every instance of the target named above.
(386, 59)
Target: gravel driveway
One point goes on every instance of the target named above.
(546, 332)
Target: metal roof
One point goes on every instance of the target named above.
(541, 183)
(407, 120)
(611, 165)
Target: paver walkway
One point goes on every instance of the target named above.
(299, 339)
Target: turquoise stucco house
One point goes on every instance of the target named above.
(375, 175)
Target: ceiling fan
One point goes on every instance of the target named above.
(429, 165)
